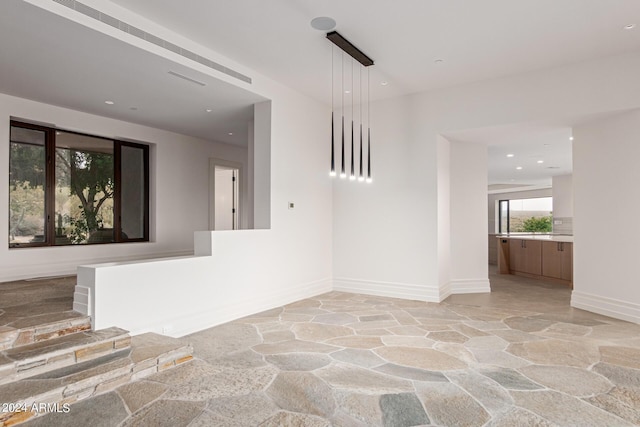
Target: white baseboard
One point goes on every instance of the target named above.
(606, 306)
(445, 291)
(67, 268)
(218, 315)
(470, 286)
(430, 293)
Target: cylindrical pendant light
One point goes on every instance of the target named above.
(361, 175)
(353, 169)
(343, 173)
(333, 156)
(369, 179)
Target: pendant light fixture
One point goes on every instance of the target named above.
(365, 61)
(333, 135)
(343, 173)
(353, 169)
(369, 179)
(361, 175)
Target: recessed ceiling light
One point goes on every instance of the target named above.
(230, 133)
(323, 23)
(570, 138)
(109, 102)
(519, 167)
(347, 91)
(540, 161)
(629, 26)
(439, 61)
(384, 83)
(510, 155)
(208, 110)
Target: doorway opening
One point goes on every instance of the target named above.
(225, 197)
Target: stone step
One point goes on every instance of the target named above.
(32, 329)
(149, 353)
(37, 358)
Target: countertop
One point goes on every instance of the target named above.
(548, 237)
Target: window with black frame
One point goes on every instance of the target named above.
(67, 188)
(533, 215)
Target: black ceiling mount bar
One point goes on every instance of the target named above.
(349, 48)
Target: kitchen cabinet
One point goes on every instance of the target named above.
(525, 256)
(538, 258)
(557, 260)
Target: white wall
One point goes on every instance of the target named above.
(606, 226)
(179, 193)
(562, 186)
(215, 286)
(468, 186)
(444, 216)
(382, 230)
(248, 211)
(261, 172)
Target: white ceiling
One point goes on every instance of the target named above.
(529, 144)
(47, 58)
(477, 40)
(50, 59)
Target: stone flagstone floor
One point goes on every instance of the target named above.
(519, 356)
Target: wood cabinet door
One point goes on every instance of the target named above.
(533, 257)
(567, 261)
(552, 260)
(515, 255)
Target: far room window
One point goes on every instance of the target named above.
(67, 188)
(526, 215)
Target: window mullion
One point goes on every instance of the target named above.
(117, 206)
(50, 187)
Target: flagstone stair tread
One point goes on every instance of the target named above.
(149, 353)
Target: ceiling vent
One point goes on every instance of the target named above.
(136, 32)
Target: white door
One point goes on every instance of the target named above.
(226, 199)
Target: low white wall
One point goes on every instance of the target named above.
(213, 287)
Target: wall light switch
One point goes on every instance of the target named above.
(557, 222)
(291, 205)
